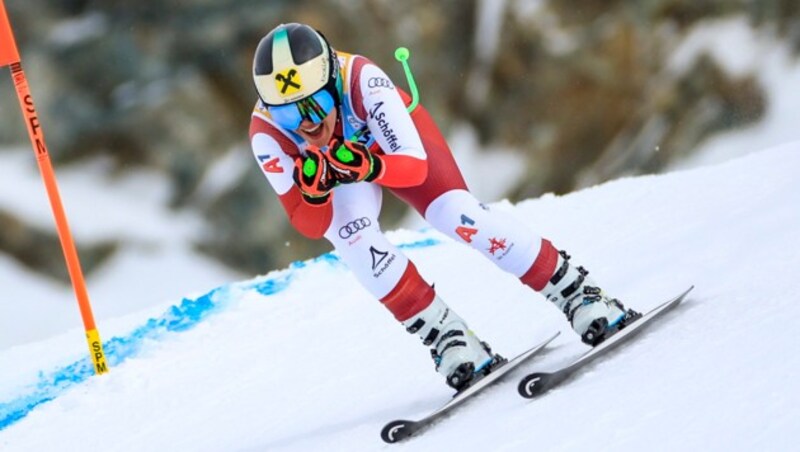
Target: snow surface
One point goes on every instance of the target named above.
(303, 359)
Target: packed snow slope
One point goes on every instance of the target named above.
(303, 359)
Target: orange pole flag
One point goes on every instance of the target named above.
(9, 56)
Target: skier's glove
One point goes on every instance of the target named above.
(313, 176)
(352, 162)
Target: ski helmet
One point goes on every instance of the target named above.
(293, 62)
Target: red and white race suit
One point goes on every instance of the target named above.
(419, 168)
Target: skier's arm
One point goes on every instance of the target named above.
(404, 160)
(311, 220)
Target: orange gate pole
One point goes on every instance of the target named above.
(9, 56)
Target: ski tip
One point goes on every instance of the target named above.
(547, 341)
(533, 385)
(683, 295)
(397, 431)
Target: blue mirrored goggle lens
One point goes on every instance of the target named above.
(314, 108)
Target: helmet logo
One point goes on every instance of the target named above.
(288, 82)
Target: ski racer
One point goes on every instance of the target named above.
(330, 130)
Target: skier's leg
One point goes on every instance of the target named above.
(513, 247)
(444, 200)
(496, 235)
(392, 278)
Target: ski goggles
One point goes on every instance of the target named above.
(314, 108)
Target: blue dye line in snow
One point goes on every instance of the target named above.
(178, 318)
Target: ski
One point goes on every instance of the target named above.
(399, 430)
(537, 383)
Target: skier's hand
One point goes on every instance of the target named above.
(313, 176)
(352, 162)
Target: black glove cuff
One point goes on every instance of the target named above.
(316, 200)
(377, 168)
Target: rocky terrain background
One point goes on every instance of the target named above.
(581, 88)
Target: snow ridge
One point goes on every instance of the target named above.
(178, 318)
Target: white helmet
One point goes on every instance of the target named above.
(292, 62)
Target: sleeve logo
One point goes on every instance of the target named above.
(380, 82)
(270, 166)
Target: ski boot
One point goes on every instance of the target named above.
(592, 314)
(457, 353)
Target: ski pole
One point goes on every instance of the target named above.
(402, 55)
(9, 56)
